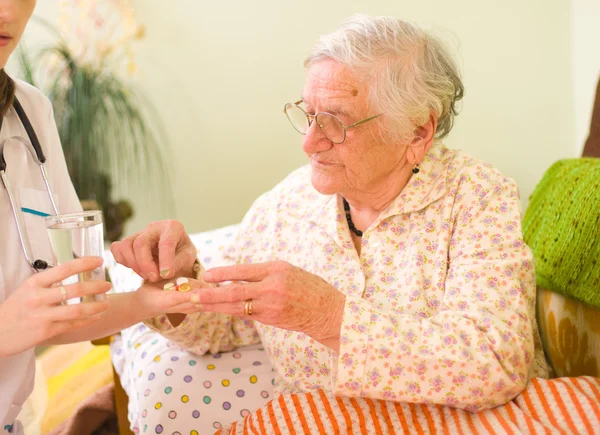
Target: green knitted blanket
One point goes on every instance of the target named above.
(562, 227)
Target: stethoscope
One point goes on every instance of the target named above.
(38, 156)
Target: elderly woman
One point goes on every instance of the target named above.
(390, 267)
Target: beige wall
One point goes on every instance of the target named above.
(585, 22)
(221, 71)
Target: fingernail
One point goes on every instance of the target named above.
(195, 298)
(165, 273)
(153, 277)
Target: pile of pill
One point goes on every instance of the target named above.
(181, 285)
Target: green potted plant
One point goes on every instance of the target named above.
(110, 133)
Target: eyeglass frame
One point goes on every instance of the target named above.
(312, 118)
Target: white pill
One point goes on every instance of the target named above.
(182, 280)
(169, 286)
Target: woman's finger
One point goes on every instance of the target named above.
(171, 235)
(54, 295)
(65, 270)
(62, 327)
(238, 272)
(143, 247)
(229, 293)
(76, 312)
(233, 308)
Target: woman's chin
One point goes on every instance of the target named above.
(325, 184)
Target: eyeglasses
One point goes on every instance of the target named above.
(331, 127)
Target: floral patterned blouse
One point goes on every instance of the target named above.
(440, 303)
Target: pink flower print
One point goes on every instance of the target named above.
(389, 332)
(499, 385)
(374, 377)
(465, 338)
(433, 304)
(410, 336)
(396, 371)
(462, 305)
(413, 388)
(310, 353)
(496, 239)
(503, 208)
(459, 379)
(354, 308)
(479, 295)
(476, 392)
(347, 360)
(387, 261)
(484, 371)
(502, 304)
(421, 368)
(451, 401)
(388, 278)
(492, 283)
(354, 386)
(448, 340)
(429, 226)
(483, 348)
(388, 395)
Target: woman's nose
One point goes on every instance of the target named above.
(314, 140)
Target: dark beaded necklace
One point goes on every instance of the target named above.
(356, 231)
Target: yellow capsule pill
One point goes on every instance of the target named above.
(185, 287)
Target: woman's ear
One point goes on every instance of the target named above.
(420, 145)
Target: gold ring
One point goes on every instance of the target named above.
(248, 308)
(63, 294)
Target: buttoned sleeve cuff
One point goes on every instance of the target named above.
(348, 365)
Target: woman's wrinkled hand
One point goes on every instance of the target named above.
(163, 250)
(281, 295)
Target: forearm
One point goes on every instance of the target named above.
(122, 313)
(458, 360)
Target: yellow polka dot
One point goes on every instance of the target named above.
(194, 432)
(185, 399)
(253, 379)
(225, 382)
(140, 373)
(157, 358)
(158, 405)
(210, 367)
(137, 345)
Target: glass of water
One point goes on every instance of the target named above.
(78, 235)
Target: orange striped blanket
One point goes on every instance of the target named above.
(562, 405)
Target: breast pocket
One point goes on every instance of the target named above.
(35, 206)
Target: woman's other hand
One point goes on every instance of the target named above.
(35, 313)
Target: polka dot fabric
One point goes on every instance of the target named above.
(172, 391)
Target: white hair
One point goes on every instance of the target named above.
(411, 73)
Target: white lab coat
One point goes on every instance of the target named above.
(17, 372)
